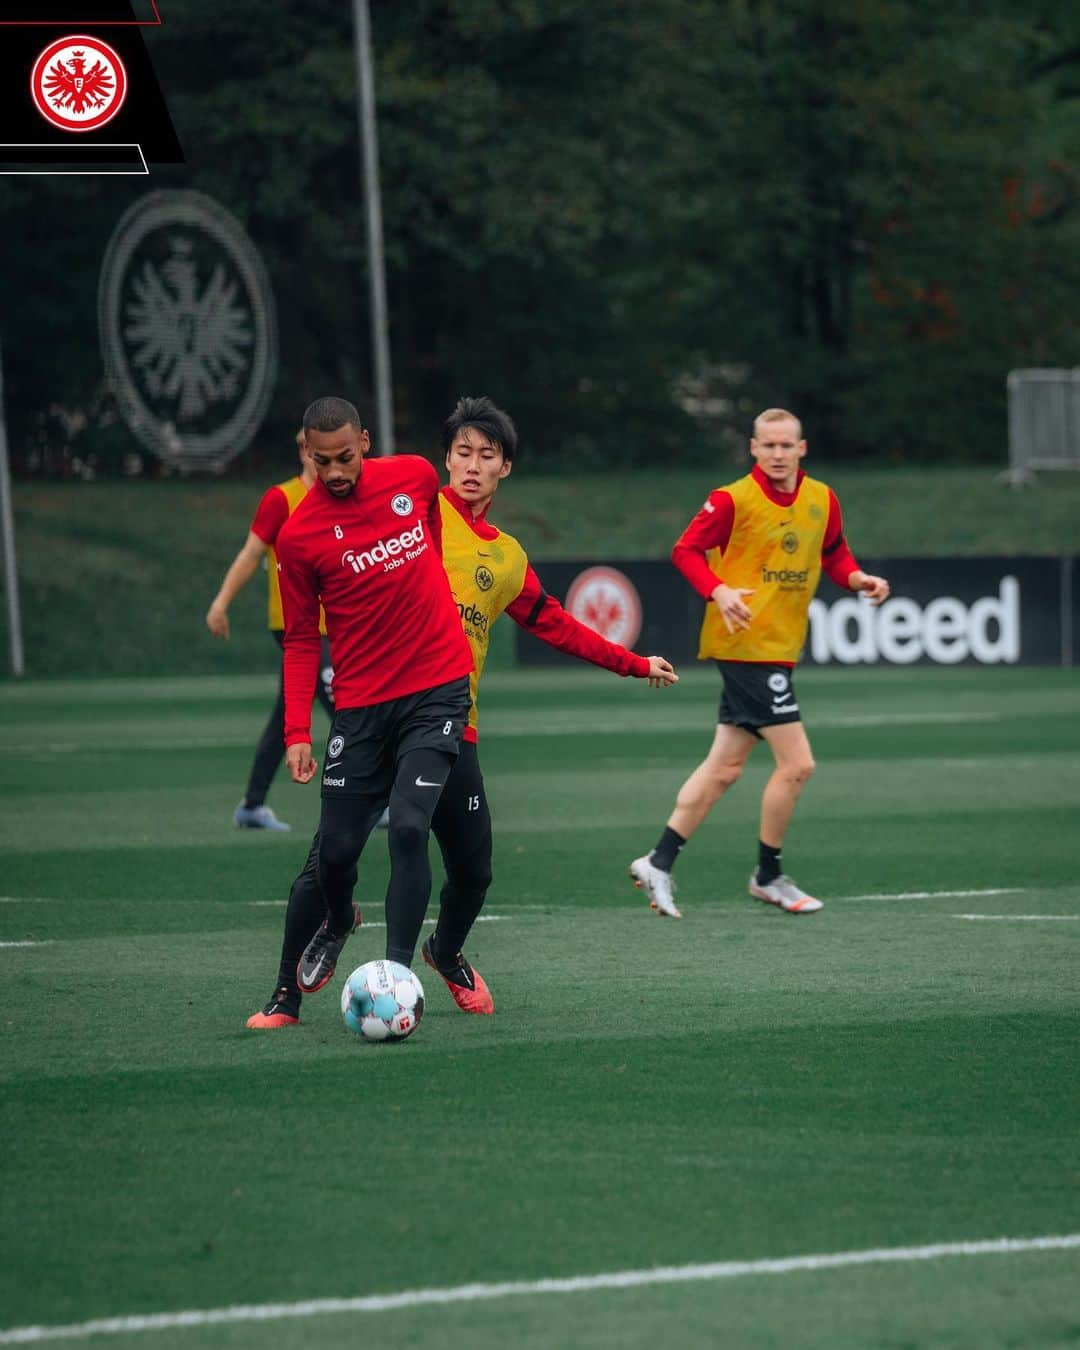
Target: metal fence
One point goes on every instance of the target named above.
(1044, 422)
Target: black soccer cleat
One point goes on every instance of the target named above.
(283, 1010)
(317, 965)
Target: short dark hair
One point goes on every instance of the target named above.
(481, 413)
(330, 414)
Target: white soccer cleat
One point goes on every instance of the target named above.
(657, 885)
(783, 892)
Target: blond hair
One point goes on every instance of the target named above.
(777, 415)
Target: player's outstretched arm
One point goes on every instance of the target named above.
(241, 570)
(876, 588)
(661, 672)
(300, 764)
(542, 615)
(733, 608)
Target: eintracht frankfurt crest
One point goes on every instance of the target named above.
(78, 83)
(606, 600)
(188, 330)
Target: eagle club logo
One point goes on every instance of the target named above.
(402, 504)
(78, 83)
(188, 328)
(335, 746)
(606, 600)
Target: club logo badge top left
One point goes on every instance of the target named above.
(402, 504)
(335, 747)
(78, 83)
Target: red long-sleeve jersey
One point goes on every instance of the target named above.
(490, 574)
(374, 559)
(711, 528)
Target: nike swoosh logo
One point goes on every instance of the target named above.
(421, 782)
(482, 555)
(332, 766)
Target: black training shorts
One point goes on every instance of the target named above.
(366, 744)
(757, 695)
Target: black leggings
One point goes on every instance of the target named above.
(462, 825)
(270, 750)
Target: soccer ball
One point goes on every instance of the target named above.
(382, 1001)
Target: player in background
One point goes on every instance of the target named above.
(489, 574)
(274, 509)
(367, 541)
(755, 552)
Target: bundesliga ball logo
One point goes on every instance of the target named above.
(78, 83)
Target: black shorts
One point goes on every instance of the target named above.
(366, 744)
(757, 695)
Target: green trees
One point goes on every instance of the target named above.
(633, 223)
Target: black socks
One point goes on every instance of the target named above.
(667, 850)
(768, 868)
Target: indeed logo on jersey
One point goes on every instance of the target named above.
(786, 575)
(472, 617)
(393, 552)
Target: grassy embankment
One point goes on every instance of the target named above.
(116, 577)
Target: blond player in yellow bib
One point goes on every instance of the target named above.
(755, 552)
(275, 507)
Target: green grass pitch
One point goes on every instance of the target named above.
(740, 1086)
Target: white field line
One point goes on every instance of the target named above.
(1022, 918)
(896, 895)
(578, 1284)
(881, 895)
(937, 895)
(44, 943)
(480, 918)
(901, 719)
(574, 725)
(552, 726)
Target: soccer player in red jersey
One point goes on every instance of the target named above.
(274, 509)
(755, 552)
(366, 541)
(489, 574)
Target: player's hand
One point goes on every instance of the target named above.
(661, 673)
(300, 764)
(217, 620)
(875, 588)
(733, 608)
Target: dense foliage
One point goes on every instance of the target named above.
(632, 223)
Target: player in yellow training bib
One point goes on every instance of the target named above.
(489, 575)
(275, 507)
(754, 553)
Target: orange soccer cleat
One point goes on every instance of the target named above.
(283, 1010)
(466, 985)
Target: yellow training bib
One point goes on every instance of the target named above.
(775, 551)
(485, 576)
(295, 490)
